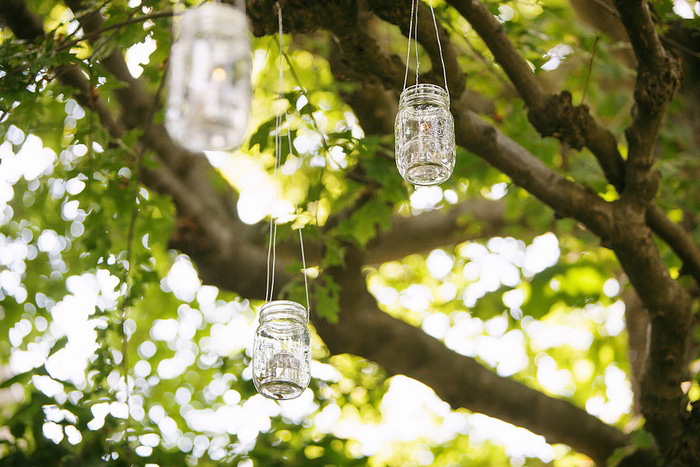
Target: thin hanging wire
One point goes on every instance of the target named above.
(301, 228)
(415, 38)
(271, 249)
(413, 34)
(442, 59)
(408, 51)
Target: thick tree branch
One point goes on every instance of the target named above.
(473, 133)
(513, 64)
(668, 305)
(636, 18)
(658, 77)
(552, 115)
(557, 116)
(363, 329)
(422, 233)
(473, 219)
(215, 239)
(667, 302)
(637, 324)
(677, 238)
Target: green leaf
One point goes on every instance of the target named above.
(23, 377)
(362, 225)
(327, 294)
(60, 343)
(262, 137)
(334, 254)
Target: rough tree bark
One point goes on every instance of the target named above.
(209, 230)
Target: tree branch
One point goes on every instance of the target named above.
(363, 329)
(213, 256)
(658, 77)
(111, 27)
(215, 239)
(667, 302)
(473, 219)
(668, 305)
(553, 115)
(557, 116)
(677, 238)
(429, 230)
(513, 64)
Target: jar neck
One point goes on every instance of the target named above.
(283, 310)
(430, 94)
(211, 18)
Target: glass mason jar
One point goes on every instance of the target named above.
(282, 350)
(209, 91)
(425, 135)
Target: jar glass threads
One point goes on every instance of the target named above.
(282, 350)
(425, 136)
(209, 91)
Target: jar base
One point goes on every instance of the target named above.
(280, 389)
(426, 174)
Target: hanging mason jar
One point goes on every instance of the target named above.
(209, 90)
(282, 350)
(425, 135)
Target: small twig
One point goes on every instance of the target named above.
(665, 39)
(97, 32)
(83, 14)
(488, 65)
(673, 43)
(605, 6)
(590, 69)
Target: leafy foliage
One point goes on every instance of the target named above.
(158, 363)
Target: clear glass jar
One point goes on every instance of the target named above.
(209, 91)
(282, 350)
(425, 135)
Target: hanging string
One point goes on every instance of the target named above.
(301, 228)
(271, 249)
(413, 34)
(415, 38)
(442, 59)
(408, 52)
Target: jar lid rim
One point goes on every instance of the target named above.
(424, 90)
(211, 11)
(424, 87)
(209, 6)
(290, 305)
